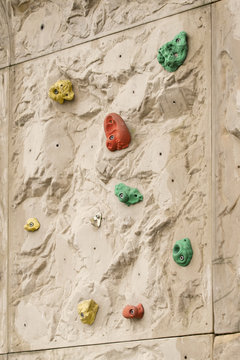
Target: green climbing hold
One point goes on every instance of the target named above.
(172, 54)
(182, 252)
(127, 194)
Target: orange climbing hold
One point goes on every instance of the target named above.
(117, 133)
(133, 312)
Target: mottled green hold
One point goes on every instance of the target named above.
(172, 54)
(128, 195)
(182, 252)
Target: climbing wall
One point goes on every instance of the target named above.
(226, 246)
(4, 112)
(55, 166)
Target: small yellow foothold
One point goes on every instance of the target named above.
(87, 310)
(32, 224)
(61, 90)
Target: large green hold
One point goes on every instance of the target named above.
(128, 195)
(172, 54)
(182, 252)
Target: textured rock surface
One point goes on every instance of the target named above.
(165, 349)
(65, 175)
(227, 347)
(62, 173)
(4, 38)
(4, 111)
(44, 26)
(226, 114)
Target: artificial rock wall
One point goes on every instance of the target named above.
(54, 165)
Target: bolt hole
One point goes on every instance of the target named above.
(133, 92)
(120, 55)
(94, 248)
(172, 180)
(24, 325)
(30, 150)
(174, 102)
(185, 357)
(57, 145)
(64, 259)
(42, 26)
(91, 146)
(160, 154)
(138, 274)
(238, 166)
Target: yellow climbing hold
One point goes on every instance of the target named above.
(87, 310)
(61, 90)
(32, 224)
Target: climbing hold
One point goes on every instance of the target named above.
(96, 220)
(32, 224)
(172, 54)
(117, 133)
(127, 194)
(87, 310)
(61, 90)
(182, 252)
(133, 312)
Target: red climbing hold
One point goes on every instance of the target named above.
(131, 312)
(117, 133)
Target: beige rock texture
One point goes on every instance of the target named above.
(5, 36)
(4, 113)
(226, 115)
(174, 348)
(65, 174)
(227, 347)
(43, 26)
(54, 166)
